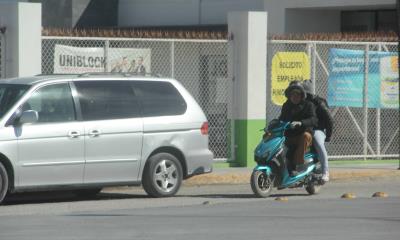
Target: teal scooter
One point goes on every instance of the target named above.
(271, 170)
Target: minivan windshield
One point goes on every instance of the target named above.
(9, 95)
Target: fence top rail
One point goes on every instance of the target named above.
(333, 42)
(135, 39)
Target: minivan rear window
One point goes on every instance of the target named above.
(102, 100)
(9, 95)
(159, 98)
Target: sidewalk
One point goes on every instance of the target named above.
(338, 172)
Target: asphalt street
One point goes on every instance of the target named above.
(208, 212)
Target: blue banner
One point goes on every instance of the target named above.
(346, 78)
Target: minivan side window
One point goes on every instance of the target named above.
(102, 100)
(159, 98)
(54, 103)
(9, 95)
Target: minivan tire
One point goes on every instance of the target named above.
(162, 176)
(3, 182)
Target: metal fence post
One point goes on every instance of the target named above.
(309, 54)
(378, 123)
(314, 68)
(173, 59)
(311, 57)
(2, 56)
(230, 106)
(398, 65)
(365, 100)
(106, 63)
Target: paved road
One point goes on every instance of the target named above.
(208, 212)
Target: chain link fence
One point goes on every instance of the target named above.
(338, 73)
(2, 56)
(200, 65)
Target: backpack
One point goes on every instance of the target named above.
(325, 119)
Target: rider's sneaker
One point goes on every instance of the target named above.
(301, 168)
(325, 177)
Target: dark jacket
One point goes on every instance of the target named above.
(325, 119)
(303, 112)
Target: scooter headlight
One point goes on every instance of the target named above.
(267, 136)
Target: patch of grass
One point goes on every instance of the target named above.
(370, 161)
(224, 164)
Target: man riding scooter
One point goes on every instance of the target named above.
(301, 114)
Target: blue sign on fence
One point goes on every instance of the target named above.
(346, 78)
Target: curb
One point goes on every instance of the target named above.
(242, 176)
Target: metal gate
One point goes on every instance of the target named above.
(200, 65)
(359, 132)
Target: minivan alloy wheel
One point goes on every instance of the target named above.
(162, 175)
(3, 182)
(165, 175)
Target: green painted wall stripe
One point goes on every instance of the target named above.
(247, 136)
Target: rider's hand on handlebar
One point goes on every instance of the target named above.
(295, 124)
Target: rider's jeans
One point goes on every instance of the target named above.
(319, 144)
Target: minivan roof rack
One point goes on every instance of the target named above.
(123, 74)
(56, 74)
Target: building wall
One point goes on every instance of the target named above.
(216, 11)
(299, 21)
(288, 15)
(181, 12)
(78, 13)
(56, 13)
(22, 38)
(94, 13)
(10, 21)
(284, 16)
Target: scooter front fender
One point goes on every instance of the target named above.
(265, 169)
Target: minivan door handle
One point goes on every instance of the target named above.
(73, 134)
(94, 133)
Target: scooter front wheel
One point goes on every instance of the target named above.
(261, 183)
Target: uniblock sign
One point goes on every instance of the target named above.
(69, 59)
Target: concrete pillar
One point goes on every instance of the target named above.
(248, 66)
(23, 38)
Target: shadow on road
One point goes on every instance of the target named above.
(244, 196)
(219, 196)
(290, 195)
(64, 196)
(69, 196)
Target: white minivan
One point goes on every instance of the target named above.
(85, 132)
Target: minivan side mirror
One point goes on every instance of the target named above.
(29, 116)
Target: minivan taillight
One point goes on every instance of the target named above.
(204, 128)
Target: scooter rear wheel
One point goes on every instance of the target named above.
(312, 188)
(261, 184)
